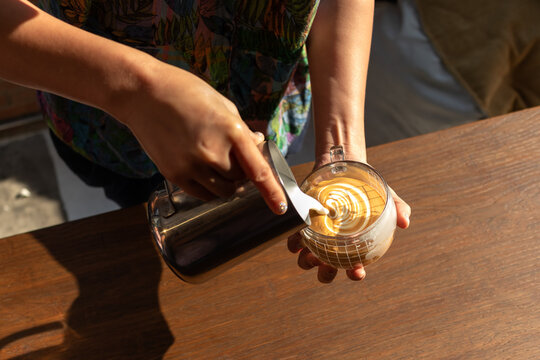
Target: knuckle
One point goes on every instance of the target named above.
(235, 131)
(262, 175)
(204, 152)
(231, 106)
(180, 173)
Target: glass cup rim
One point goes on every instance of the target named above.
(351, 237)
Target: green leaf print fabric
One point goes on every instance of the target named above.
(251, 51)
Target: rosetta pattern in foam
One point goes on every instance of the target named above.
(348, 206)
(353, 206)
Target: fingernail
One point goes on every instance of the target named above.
(260, 136)
(362, 274)
(282, 207)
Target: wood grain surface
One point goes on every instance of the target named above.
(461, 283)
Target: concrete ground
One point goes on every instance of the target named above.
(38, 190)
(29, 194)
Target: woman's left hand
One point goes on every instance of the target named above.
(327, 273)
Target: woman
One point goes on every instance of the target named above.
(188, 84)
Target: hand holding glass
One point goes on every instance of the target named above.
(360, 225)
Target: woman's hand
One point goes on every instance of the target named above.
(196, 137)
(327, 273)
(193, 134)
(338, 53)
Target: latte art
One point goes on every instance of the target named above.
(353, 205)
(359, 226)
(348, 207)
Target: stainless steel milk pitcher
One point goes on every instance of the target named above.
(200, 239)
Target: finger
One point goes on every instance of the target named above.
(403, 211)
(222, 161)
(326, 273)
(259, 172)
(294, 243)
(193, 188)
(356, 274)
(306, 260)
(215, 183)
(257, 137)
(233, 171)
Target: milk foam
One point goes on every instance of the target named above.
(350, 209)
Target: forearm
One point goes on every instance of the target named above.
(42, 52)
(338, 53)
(193, 134)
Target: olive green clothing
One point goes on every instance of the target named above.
(492, 47)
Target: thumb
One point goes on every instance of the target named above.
(403, 211)
(257, 137)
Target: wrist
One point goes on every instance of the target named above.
(354, 152)
(348, 134)
(132, 78)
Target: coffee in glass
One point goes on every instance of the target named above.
(361, 220)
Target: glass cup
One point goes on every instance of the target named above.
(361, 222)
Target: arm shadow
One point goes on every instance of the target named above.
(117, 313)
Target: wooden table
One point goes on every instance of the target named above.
(461, 283)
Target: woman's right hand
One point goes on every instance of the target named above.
(196, 137)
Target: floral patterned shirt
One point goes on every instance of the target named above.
(251, 51)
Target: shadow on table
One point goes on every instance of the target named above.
(117, 313)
